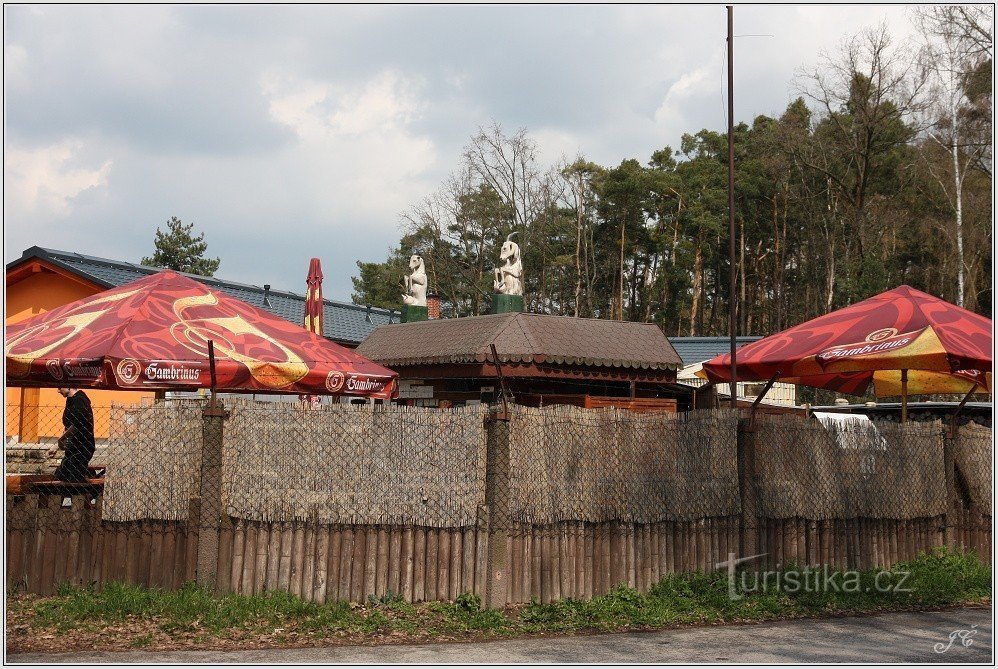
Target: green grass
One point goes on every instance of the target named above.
(933, 580)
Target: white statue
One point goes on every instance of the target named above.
(415, 283)
(509, 277)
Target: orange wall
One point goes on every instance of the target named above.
(38, 411)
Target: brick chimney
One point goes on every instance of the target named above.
(432, 305)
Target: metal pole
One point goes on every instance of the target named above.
(502, 382)
(904, 395)
(731, 206)
(211, 368)
(952, 422)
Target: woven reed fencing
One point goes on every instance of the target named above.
(347, 502)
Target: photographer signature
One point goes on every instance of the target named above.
(963, 635)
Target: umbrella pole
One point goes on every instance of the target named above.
(904, 395)
(960, 408)
(765, 390)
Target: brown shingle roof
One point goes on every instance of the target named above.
(521, 337)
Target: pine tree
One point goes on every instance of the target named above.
(179, 250)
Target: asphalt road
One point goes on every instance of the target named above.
(896, 637)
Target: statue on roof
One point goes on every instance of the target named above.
(415, 283)
(509, 277)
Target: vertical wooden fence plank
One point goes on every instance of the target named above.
(443, 563)
(419, 565)
(360, 553)
(468, 560)
(287, 548)
(263, 533)
(408, 566)
(321, 564)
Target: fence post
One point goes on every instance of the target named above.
(206, 515)
(496, 509)
(748, 526)
(952, 517)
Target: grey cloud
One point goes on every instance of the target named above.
(171, 96)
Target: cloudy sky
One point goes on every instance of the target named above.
(290, 132)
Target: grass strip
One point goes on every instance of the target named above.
(134, 616)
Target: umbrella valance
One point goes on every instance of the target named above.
(153, 333)
(942, 348)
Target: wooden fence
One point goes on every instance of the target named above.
(50, 542)
(343, 562)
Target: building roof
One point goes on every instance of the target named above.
(699, 349)
(343, 322)
(522, 337)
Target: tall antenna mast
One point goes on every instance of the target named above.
(731, 206)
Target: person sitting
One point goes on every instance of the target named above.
(77, 439)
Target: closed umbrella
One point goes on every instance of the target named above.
(314, 308)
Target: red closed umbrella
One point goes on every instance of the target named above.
(154, 333)
(314, 308)
(903, 341)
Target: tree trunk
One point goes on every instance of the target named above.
(623, 228)
(958, 190)
(578, 246)
(697, 280)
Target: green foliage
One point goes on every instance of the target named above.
(178, 249)
(936, 579)
(469, 601)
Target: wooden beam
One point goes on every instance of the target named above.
(533, 370)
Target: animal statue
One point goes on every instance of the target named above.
(415, 283)
(509, 277)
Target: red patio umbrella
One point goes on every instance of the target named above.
(154, 334)
(903, 341)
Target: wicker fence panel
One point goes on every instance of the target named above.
(354, 465)
(568, 463)
(153, 460)
(882, 470)
(973, 452)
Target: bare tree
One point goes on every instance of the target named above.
(509, 165)
(953, 49)
(867, 99)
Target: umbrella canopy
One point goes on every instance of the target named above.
(153, 334)
(942, 348)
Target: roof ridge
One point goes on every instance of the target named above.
(151, 269)
(527, 333)
(502, 324)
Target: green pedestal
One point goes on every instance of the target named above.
(411, 313)
(504, 304)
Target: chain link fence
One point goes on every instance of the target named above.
(347, 464)
(153, 461)
(388, 464)
(849, 469)
(973, 452)
(33, 434)
(289, 491)
(598, 465)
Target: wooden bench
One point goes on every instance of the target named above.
(24, 484)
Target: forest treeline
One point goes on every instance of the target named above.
(878, 174)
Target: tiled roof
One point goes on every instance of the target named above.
(343, 322)
(522, 337)
(699, 349)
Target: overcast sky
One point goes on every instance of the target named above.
(290, 132)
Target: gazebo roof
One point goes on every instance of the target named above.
(523, 338)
